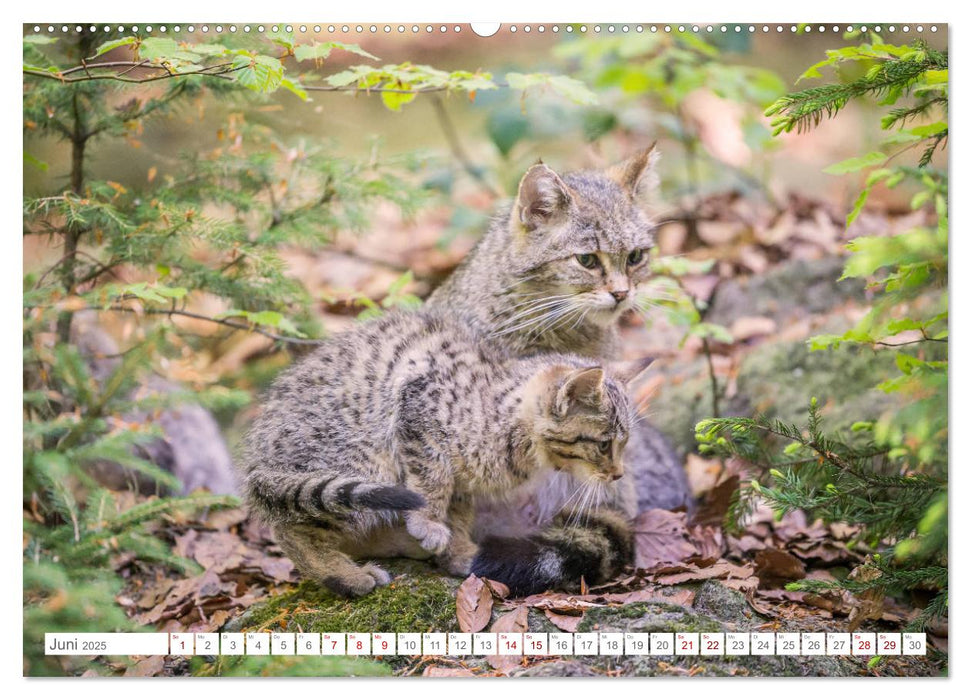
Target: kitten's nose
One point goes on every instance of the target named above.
(615, 476)
(620, 294)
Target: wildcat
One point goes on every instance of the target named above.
(408, 419)
(554, 273)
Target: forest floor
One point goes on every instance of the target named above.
(773, 286)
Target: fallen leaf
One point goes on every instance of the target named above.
(703, 474)
(746, 327)
(567, 623)
(446, 672)
(473, 604)
(514, 621)
(868, 604)
(500, 591)
(660, 536)
(775, 567)
(147, 667)
(715, 504)
(708, 540)
(756, 606)
(277, 568)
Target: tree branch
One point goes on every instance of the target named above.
(220, 321)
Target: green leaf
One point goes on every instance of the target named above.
(568, 87)
(320, 51)
(713, 331)
(258, 73)
(928, 130)
(114, 44)
(395, 100)
(399, 284)
(852, 165)
(42, 39)
(294, 87)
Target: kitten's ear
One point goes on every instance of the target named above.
(626, 372)
(581, 386)
(638, 174)
(542, 197)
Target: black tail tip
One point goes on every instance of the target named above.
(524, 565)
(390, 498)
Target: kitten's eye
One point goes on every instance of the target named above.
(604, 446)
(588, 260)
(635, 257)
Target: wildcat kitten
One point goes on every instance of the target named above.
(554, 273)
(408, 419)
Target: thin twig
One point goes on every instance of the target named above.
(455, 144)
(200, 317)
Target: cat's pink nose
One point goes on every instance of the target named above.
(619, 295)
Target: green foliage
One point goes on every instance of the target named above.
(648, 79)
(891, 477)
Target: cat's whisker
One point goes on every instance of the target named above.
(540, 305)
(530, 302)
(552, 310)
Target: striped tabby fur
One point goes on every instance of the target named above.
(380, 442)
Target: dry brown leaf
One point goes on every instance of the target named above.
(473, 604)
(708, 540)
(446, 672)
(867, 605)
(715, 504)
(500, 591)
(567, 623)
(775, 567)
(703, 474)
(674, 596)
(747, 327)
(147, 667)
(660, 536)
(514, 621)
(758, 607)
(277, 568)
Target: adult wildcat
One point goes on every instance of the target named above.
(406, 420)
(554, 273)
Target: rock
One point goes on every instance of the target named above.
(713, 598)
(557, 669)
(790, 289)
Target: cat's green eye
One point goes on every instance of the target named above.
(588, 260)
(635, 257)
(604, 446)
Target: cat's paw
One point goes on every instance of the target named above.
(434, 537)
(356, 582)
(380, 576)
(457, 564)
(457, 558)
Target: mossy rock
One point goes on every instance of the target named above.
(779, 379)
(419, 599)
(790, 289)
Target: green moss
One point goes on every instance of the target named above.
(418, 600)
(646, 617)
(275, 666)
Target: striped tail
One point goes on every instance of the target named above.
(318, 495)
(558, 556)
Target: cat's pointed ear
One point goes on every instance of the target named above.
(542, 197)
(627, 371)
(580, 387)
(638, 174)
